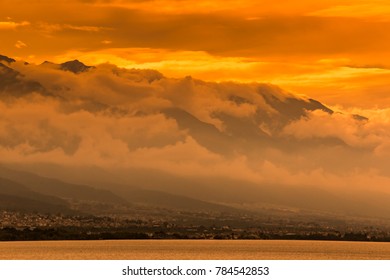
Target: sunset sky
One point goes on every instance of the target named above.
(334, 51)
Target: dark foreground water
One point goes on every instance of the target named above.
(194, 249)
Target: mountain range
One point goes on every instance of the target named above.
(133, 137)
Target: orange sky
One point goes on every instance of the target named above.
(334, 51)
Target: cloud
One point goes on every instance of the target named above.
(44, 126)
(12, 24)
(84, 28)
(119, 118)
(377, 11)
(251, 8)
(19, 44)
(364, 144)
(55, 27)
(319, 124)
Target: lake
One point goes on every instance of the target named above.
(194, 250)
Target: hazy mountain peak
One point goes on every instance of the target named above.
(74, 66)
(47, 63)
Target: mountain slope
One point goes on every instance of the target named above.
(14, 196)
(59, 188)
(23, 204)
(161, 199)
(161, 189)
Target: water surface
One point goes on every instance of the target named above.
(194, 250)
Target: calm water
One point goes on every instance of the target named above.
(194, 249)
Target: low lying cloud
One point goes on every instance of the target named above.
(126, 118)
(371, 133)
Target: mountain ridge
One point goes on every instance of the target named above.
(58, 188)
(6, 59)
(176, 137)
